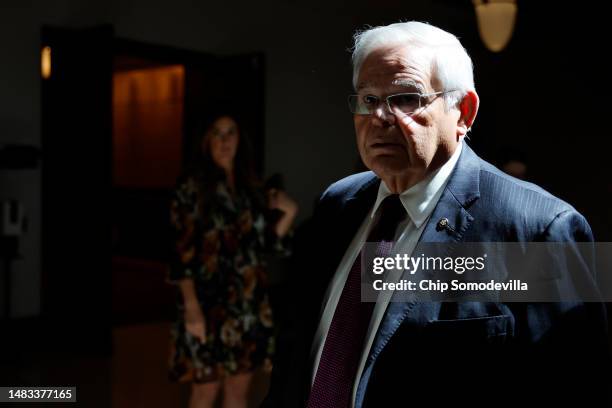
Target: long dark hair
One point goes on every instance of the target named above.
(206, 172)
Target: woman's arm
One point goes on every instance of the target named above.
(280, 200)
(195, 323)
(187, 287)
(183, 212)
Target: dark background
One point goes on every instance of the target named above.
(546, 95)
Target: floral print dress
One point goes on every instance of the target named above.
(222, 252)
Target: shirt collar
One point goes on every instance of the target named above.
(421, 199)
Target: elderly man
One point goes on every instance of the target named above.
(415, 102)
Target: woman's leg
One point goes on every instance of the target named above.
(236, 390)
(203, 395)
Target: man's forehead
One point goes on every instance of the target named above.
(396, 66)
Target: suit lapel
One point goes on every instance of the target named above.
(352, 213)
(339, 229)
(461, 190)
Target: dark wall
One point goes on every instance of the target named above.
(544, 94)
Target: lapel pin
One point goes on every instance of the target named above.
(443, 224)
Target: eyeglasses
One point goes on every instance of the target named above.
(407, 103)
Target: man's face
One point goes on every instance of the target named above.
(394, 144)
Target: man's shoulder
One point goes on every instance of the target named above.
(509, 192)
(349, 186)
(519, 205)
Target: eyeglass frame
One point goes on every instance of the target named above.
(386, 99)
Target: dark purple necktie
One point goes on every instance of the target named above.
(333, 384)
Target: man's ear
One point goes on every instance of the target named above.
(468, 108)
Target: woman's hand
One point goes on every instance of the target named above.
(195, 323)
(279, 199)
(194, 318)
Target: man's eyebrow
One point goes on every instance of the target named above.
(406, 83)
(409, 83)
(362, 85)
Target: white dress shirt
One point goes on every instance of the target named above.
(419, 202)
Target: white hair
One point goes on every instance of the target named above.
(450, 65)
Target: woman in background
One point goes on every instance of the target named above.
(225, 327)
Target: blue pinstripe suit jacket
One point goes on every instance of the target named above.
(449, 350)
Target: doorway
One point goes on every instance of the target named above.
(119, 121)
(160, 95)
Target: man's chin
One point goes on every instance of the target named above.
(394, 164)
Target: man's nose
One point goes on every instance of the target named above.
(383, 116)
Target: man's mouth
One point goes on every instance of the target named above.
(386, 145)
